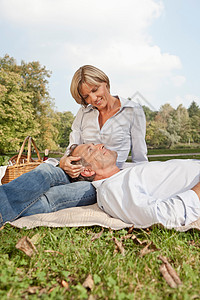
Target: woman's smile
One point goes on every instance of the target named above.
(95, 95)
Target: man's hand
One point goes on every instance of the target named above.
(72, 170)
(196, 189)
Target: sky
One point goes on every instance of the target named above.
(148, 46)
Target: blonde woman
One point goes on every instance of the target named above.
(104, 119)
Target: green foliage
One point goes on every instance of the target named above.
(16, 112)
(156, 135)
(169, 127)
(26, 108)
(193, 110)
(64, 123)
(25, 105)
(4, 160)
(150, 115)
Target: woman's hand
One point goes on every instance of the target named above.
(72, 170)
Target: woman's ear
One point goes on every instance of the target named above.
(87, 172)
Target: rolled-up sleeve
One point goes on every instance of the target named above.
(138, 132)
(75, 135)
(179, 210)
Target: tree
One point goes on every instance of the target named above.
(34, 81)
(64, 123)
(194, 110)
(156, 135)
(16, 112)
(194, 114)
(150, 115)
(182, 123)
(166, 111)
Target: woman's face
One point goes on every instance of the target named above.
(96, 95)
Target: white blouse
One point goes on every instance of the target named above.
(152, 192)
(124, 131)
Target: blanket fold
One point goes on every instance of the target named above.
(81, 216)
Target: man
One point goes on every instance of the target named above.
(145, 194)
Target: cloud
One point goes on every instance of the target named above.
(92, 14)
(110, 34)
(178, 80)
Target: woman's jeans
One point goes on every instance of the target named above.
(43, 190)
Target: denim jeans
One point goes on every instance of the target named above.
(42, 190)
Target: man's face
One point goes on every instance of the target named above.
(97, 156)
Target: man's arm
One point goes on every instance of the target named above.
(196, 189)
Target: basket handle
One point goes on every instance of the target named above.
(29, 138)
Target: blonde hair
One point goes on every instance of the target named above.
(87, 74)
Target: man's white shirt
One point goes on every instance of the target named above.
(152, 192)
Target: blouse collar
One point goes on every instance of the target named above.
(124, 103)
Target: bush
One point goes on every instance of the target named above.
(4, 160)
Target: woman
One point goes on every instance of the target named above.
(103, 118)
(116, 122)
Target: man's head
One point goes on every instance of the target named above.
(98, 162)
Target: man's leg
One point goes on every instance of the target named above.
(63, 196)
(19, 194)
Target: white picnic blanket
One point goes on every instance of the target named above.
(2, 172)
(81, 216)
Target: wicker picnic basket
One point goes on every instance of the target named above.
(22, 163)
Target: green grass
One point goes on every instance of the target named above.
(164, 158)
(74, 256)
(115, 276)
(173, 151)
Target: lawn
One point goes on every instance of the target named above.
(65, 258)
(174, 151)
(98, 263)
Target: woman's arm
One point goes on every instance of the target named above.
(138, 132)
(72, 170)
(74, 138)
(75, 135)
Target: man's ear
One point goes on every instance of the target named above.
(87, 172)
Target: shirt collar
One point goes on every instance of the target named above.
(124, 103)
(98, 183)
(88, 108)
(127, 103)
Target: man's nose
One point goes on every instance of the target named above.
(100, 146)
(92, 145)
